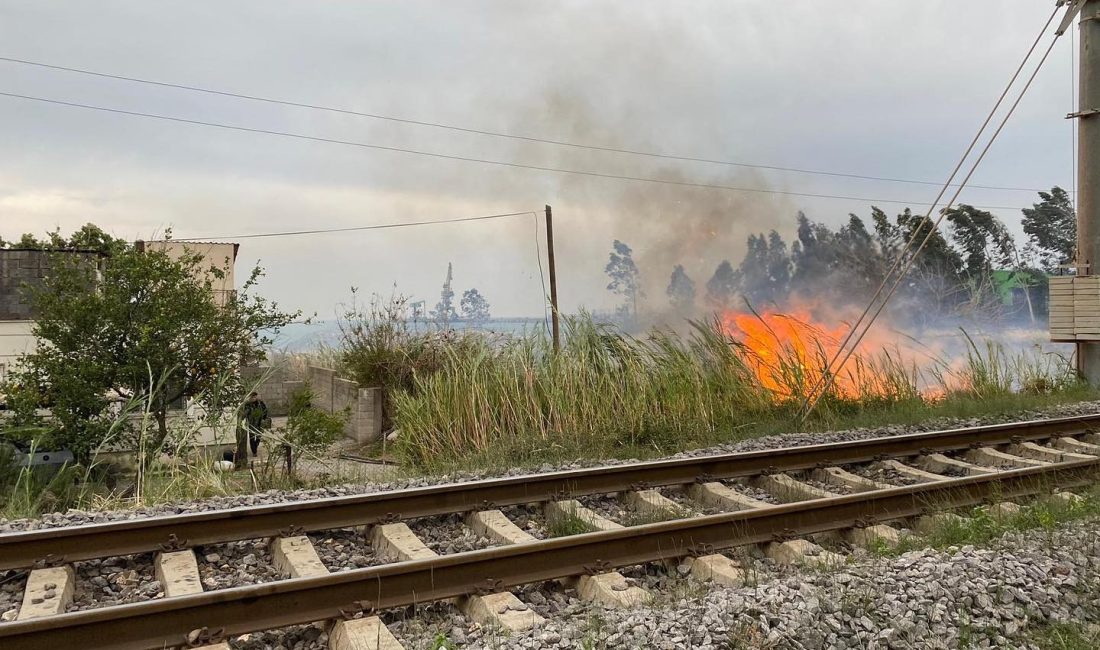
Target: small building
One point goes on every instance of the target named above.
(21, 268)
(220, 255)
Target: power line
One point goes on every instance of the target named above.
(828, 377)
(484, 161)
(381, 226)
(495, 134)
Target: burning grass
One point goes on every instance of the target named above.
(512, 401)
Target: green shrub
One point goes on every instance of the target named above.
(309, 430)
(380, 347)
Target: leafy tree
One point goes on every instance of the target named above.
(624, 274)
(681, 290)
(90, 237)
(722, 286)
(152, 329)
(445, 310)
(474, 306)
(984, 241)
(1051, 228)
(938, 256)
(765, 272)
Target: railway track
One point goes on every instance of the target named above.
(769, 500)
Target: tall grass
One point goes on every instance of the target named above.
(611, 394)
(628, 391)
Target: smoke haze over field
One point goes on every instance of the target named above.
(888, 89)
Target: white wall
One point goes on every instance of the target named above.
(15, 341)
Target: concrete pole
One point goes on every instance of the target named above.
(1088, 174)
(553, 278)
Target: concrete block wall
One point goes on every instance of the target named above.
(275, 386)
(19, 268)
(334, 394)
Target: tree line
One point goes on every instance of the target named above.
(971, 267)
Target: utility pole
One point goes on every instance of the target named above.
(1088, 165)
(553, 278)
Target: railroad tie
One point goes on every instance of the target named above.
(48, 592)
(362, 634)
(296, 557)
(940, 464)
(931, 523)
(797, 551)
(494, 525)
(1040, 453)
(1075, 445)
(802, 552)
(845, 479)
(788, 490)
(611, 589)
(717, 495)
(572, 509)
(865, 536)
(909, 472)
(398, 542)
(989, 457)
(178, 573)
(651, 503)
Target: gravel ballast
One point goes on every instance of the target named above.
(992, 597)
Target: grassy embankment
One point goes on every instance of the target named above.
(484, 403)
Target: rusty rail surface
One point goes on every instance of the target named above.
(72, 543)
(231, 612)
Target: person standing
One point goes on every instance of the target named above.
(254, 420)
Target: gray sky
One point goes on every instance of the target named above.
(868, 87)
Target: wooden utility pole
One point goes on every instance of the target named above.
(1088, 167)
(553, 278)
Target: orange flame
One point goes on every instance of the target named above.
(789, 352)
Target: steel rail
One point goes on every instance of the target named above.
(72, 543)
(231, 612)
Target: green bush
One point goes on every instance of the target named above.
(309, 430)
(380, 347)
